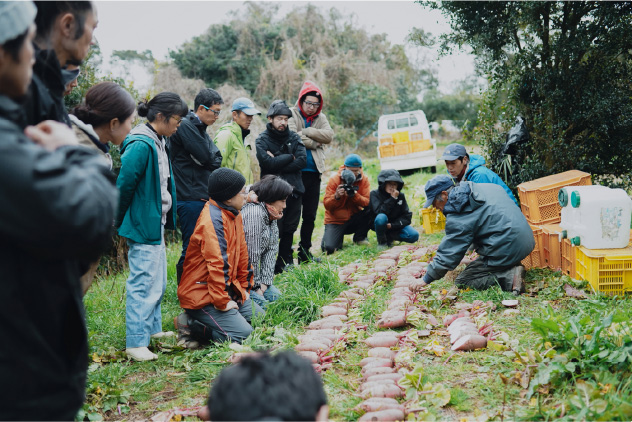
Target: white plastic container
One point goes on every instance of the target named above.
(596, 217)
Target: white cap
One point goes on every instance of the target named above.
(15, 18)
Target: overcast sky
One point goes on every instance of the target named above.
(163, 25)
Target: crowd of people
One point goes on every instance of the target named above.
(62, 202)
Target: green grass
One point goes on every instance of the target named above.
(181, 378)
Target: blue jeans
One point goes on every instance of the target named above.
(270, 295)
(145, 288)
(406, 234)
(188, 214)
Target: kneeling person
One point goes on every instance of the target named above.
(217, 277)
(388, 204)
(481, 214)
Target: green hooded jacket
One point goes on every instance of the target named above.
(235, 154)
(140, 207)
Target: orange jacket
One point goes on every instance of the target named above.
(216, 268)
(339, 211)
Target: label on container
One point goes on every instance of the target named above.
(610, 222)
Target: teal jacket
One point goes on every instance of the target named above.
(478, 173)
(140, 206)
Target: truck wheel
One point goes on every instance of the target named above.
(433, 169)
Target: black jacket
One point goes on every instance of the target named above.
(382, 203)
(194, 157)
(289, 156)
(57, 212)
(45, 96)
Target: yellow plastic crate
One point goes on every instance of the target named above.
(432, 219)
(421, 145)
(401, 149)
(417, 136)
(534, 259)
(538, 198)
(401, 137)
(608, 270)
(386, 151)
(386, 140)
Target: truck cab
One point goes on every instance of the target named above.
(404, 142)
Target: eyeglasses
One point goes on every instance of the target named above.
(179, 120)
(311, 104)
(210, 109)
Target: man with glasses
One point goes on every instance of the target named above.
(194, 156)
(479, 214)
(230, 138)
(311, 124)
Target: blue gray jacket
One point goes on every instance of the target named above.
(481, 214)
(478, 173)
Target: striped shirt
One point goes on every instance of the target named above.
(262, 238)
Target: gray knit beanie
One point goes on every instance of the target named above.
(15, 18)
(225, 183)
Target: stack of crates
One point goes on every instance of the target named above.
(539, 204)
(432, 219)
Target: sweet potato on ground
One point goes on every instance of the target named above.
(375, 404)
(236, 357)
(310, 356)
(369, 372)
(382, 352)
(449, 319)
(382, 341)
(309, 338)
(380, 363)
(372, 359)
(392, 319)
(311, 347)
(370, 384)
(333, 310)
(387, 415)
(320, 324)
(470, 342)
(395, 376)
(383, 390)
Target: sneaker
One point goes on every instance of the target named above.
(307, 257)
(362, 242)
(163, 334)
(188, 343)
(140, 354)
(518, 286)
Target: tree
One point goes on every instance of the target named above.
(566, 67)
(362, 75)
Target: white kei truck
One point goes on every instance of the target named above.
(404, 142)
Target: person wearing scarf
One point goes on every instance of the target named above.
(312, 125)
(281, 152)
(267, 200)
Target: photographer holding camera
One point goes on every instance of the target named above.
(346, 206)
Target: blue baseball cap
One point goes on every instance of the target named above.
(245, 105)
(454, 152)
(435, 186)
(353, 160)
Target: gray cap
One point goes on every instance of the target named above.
(435, 186)
(15, 18)
(453, 152)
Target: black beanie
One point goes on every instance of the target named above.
(279, 108)
(225, 183)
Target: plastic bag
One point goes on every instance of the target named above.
(517, 135)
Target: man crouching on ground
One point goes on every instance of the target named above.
(217, 277)
(483, 215)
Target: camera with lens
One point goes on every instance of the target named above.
(348, 180)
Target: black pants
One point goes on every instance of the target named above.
(287, 226)
(311, 199)
(480, 276)
(358, 225)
